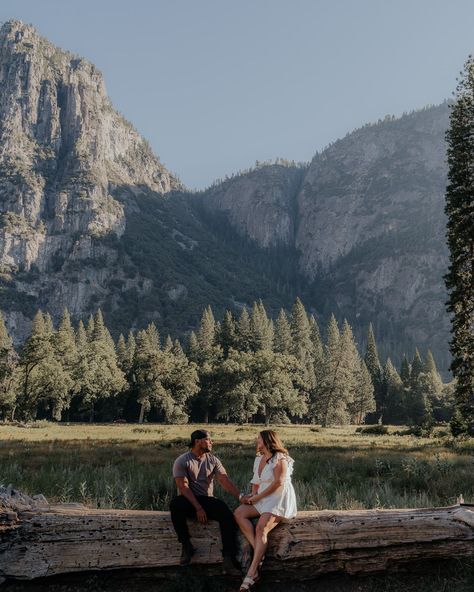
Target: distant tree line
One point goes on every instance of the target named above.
(250, 368)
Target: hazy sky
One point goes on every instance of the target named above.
(216, 84)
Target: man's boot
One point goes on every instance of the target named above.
(230, 565)
(187, 551)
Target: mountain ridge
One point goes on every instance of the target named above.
(90, 217)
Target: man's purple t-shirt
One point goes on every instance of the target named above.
(200, 472)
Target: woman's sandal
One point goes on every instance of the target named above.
(248, 583)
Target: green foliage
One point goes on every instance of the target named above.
(460, 212)
(233, 370)
(374, 430)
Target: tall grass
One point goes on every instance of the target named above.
(130, 466)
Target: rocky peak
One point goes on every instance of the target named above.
(64, 151)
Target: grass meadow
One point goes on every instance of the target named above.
(129, 466)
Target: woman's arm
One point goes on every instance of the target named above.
(279, 474)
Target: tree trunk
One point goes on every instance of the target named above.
(142, 413)
(72, 538)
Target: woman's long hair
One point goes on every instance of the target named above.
(272, 442)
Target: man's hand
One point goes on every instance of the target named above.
(245, 498)
(201, 515)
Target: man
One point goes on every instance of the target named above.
(194, 473)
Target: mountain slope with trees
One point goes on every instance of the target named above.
(89, 218)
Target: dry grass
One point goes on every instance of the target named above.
(129, 466)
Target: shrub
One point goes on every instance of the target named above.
(375, 430)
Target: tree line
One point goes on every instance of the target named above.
(238, 369)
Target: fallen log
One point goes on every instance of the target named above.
(37, 542)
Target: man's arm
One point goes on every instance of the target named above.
(183, 488)
(226, 483)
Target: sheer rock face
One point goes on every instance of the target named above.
(260, 204)
(64, 155)
(380, 180)
(63, 151)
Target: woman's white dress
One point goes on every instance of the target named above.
(281, 502)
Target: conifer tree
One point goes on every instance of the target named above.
(405, 372)
(282, 338)
(261, 328)
(228, 333)
(395, 411)
(460, 212)
(431, 384)
(207, 357)
(107, 379)
(316, 341)
(375, 369)
(302, 346)
(34, 350)
(331, 407)
(64, 345)
(82, 374)
(244, 331)
(418, 404)
(416, 369)
(363, 400)
(8, 366)
(193, 347)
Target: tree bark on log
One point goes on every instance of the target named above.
(70, 538)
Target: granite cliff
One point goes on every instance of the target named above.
(64, 156)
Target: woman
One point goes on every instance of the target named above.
(271, 501)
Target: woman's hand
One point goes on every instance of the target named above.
(253, 499)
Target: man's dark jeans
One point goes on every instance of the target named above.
(216, 509)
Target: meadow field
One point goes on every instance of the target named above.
(129, 466)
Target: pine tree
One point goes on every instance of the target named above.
(228, 333)
(405, 372)
(301, 344)
(316, 341)
(282, 337)
(417, 403)
(431, 384)
(416, 369)
(64, 344)
(106, 379)
(8, 366)
(207, 355)
(395, 411)
(244, 331)
(261, 328)
(363, 401)
(193, 347)
(460, 212)
(375, 369)
(206, 334)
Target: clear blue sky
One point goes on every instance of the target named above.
(216, 84)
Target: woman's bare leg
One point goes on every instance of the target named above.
(243, 515)
(266, 523)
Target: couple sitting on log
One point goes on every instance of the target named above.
(271, 500)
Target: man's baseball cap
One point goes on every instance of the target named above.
(197, 435)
